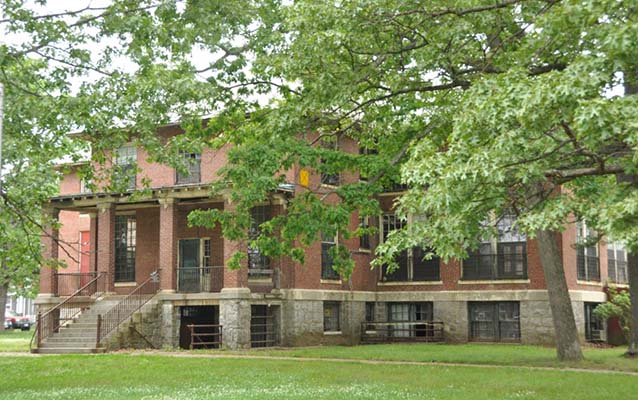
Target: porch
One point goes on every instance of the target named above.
(128, 238)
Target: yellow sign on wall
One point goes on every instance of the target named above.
(304, 177)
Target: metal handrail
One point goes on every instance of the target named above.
(135, 300)
(198, 338)
(51, 321)
(410, 331)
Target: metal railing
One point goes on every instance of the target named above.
(66, 284)
(200, 279)
(208, 337)
(408, 331)
(66, 311)
(141, 295)
(263, 331)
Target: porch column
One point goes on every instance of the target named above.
(168, 244)
(105, 249)
(234, 317)
(93, 242)
(237, 278)
(50, 247)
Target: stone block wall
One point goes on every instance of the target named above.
(454, 315)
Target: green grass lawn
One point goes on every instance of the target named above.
(15, 340)
(119, 376)
(491, 354)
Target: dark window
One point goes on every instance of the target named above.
(502, 257)
(331, 311)
(370, 311)
(409, 312)
(495, 321)
(328, 177)
(395, 187)
(263, 327)
(413, 265)
(364, 239)
(587, 262)
(594, 327)
(257, 261)
(193, 174)
(617, 262)
(126, 163)
(327, 270)
(125, 230)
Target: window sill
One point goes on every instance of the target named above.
(328, 186)
(494, 282)
(259, 280)
(332, 333)
(618, 285)
(365, 251)
(589, 283)
(125, 284)
(411, 283)
(331, 281)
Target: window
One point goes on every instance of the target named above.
(501, 257)
(257, 262)
(126, 161)
(364, 239)
(617, 262)
(412, 263)
(327, 270)
(125, 231)
(329, 178)
(364, 152)
(594, 327)
(495, 321)
(409, 312)
(370, 313)
(587, 262)
(331, 311)
(193, 163)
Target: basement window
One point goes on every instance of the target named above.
(331, 316)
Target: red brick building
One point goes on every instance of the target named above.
(498, 294)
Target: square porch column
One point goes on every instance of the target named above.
(93, 242)
(168, 244)
(105, 249)
(50, 248)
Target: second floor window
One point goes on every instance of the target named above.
(126, 162)
(193, 174)
(617, 262)
(501, 257)
(329, 178)
(364, 239)
(587, 262)
(413, 266)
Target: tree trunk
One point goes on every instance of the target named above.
(567, 343)
(632, 269)
(4, 289)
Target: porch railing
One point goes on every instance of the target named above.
(408, 331)
(263, 331)
(67, 310)
(142, 294)
(66, 284)
(269, 274)
(205, 336)
(203, 279)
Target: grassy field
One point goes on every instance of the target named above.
(15, 340)
(119, 376)
(489, 354)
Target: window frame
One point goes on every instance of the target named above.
(125, 264)
(496, 321)
(126, 163)
(193, 175)
(335, 325)
(590, 270)
(490, 260)
(258, 215)
(327, 179)
(328, 272)
(616, 265)
(407, 256)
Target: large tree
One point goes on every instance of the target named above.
(491, 105)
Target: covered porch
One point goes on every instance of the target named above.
(130, 235)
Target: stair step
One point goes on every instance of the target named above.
(65, 345)
(68, 350)
(62, 339)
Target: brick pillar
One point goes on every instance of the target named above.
(105, 249)
(168, 245)
(50, 247)
(234, 278)
(93, 242)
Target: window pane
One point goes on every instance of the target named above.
(125, 237)
(331, 317)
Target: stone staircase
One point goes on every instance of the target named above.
(80, 336)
